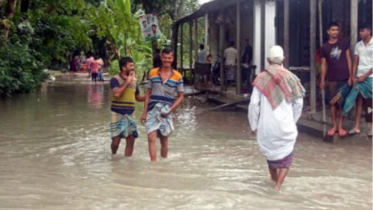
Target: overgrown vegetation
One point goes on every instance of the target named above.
(39, 34)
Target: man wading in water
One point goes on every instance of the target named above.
(275, 106)
(164, 83)
(125, 93)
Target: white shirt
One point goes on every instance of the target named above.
(201, 58)
(230, 55)
(365, 53)
(276, 129)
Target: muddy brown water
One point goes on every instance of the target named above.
(55, 154)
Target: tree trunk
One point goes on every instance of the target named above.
(180, 10)
(9, 14)
(10, 8)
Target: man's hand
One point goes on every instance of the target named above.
(350, 82)
(131, 77)
(322, 85)
(361, 78)
(253, 132)
(165, 115)
(354, 80)
(143, 118)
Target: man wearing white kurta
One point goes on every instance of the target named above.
(275, 107)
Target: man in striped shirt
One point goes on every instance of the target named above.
(160, 101)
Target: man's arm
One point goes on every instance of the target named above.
(180, 97)
(146, 101)
(323, 73)
(254, 109)
(140, 98)
(354, 69)
(348, 55)
(297, 108)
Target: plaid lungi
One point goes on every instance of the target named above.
(122, 125)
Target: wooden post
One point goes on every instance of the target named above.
(313, 7)
(238, 79)
(207, 33)
(321, 37)
(263, 35)
(196, 39)
(257, 40)
(174, 41)
(286, 32)
(191, 49)
(221, 47)
(354, 22)
(181, 50)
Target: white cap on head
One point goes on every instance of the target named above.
(276, 54)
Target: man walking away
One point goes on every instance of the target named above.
(275, 107)
(336, 58)
(124, 94)
(164, 84)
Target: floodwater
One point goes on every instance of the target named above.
(55, 154)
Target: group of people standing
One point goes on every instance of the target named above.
(275, 105)
(93, 65)
(230, 60)
(348, 82)
(94, 68)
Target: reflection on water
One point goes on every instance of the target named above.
(95, 96)
(54, 154)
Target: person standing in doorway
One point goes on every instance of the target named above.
(246, 61)
(124, 94)
(201, 57)
(247, 54)
(336, 69)
(275, 107)
(230, 57)
(160, 103)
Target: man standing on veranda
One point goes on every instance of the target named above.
(275, 107)
(164, 84)
(336, 69)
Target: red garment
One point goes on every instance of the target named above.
(95, 66)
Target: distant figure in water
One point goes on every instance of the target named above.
(275, 107)
(124, 94)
